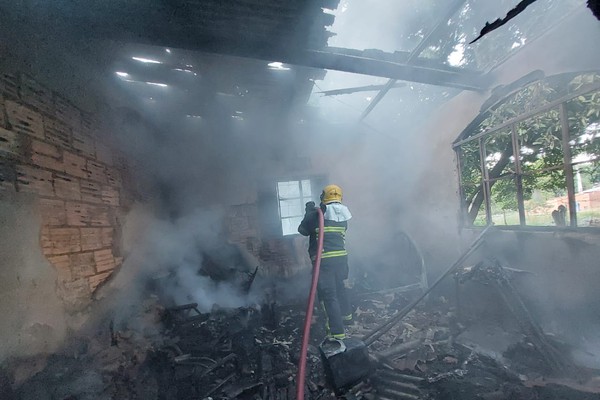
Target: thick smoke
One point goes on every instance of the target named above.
(33, 318)
(398, 169)
(188, 172)
(156, 247)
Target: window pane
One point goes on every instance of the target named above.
(546, 202)
(587, 197)
(584, 129)
(499, 159)
(503, 202)
(306, 188)
(540, 140)
(388, 25)
(289, 226)
(471, 177)
(291, 208)
(288, 190)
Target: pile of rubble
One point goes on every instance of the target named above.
(251, 353)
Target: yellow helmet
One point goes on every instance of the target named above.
(331, 194)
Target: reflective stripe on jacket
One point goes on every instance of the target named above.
(334, 241)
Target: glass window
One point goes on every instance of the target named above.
(546, 201)
(387, 25)
(526, 162)
(292, 196)
(584, 134)
(452, 46)
(504, 202)
(471, 182)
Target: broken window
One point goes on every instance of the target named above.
(292, 197)
(533, 158)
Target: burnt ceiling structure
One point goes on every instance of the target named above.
(193, 58)
(159, 44)
(290, 32)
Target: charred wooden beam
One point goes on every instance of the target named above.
(368, 88)
(414, 54)
(439, 74)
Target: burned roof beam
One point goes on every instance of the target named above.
(489, 27)
(414, 54)
(440, 74)
(368, 88)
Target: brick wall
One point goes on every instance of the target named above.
(52, 151)
(278, 255)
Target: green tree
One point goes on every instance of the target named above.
(539, 141)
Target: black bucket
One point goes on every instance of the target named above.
(346, 363)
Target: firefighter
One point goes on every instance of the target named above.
(334, 258)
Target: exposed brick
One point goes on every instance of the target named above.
(36, 95)
(82, 265)
(74, 164)
(53, 212)
(9, 86)
(47, 162)
(91, 239)
(96, 171)
(107, 237)
(102, 217)
(67, 187)
(24, 120)
(89, 125)
(61, 240)
(84, 143)
(91, 192)
(104, 260)
(63, 266)
(7, 178)
(114, 177)
(11, 144)
(34, 180)
(110, 196)
(96, 280)
(67, 113)
(80, 214)
(239, 224)
(57, 132)
(44, 148)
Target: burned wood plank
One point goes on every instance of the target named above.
(219, 363)
(223, 382)
(489, 27)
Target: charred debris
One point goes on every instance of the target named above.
(176, 351)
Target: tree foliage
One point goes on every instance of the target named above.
(539, 141)
(471, 18)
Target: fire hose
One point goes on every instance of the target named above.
(376, 333)
(309, 311)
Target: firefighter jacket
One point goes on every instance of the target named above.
(336, 216)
